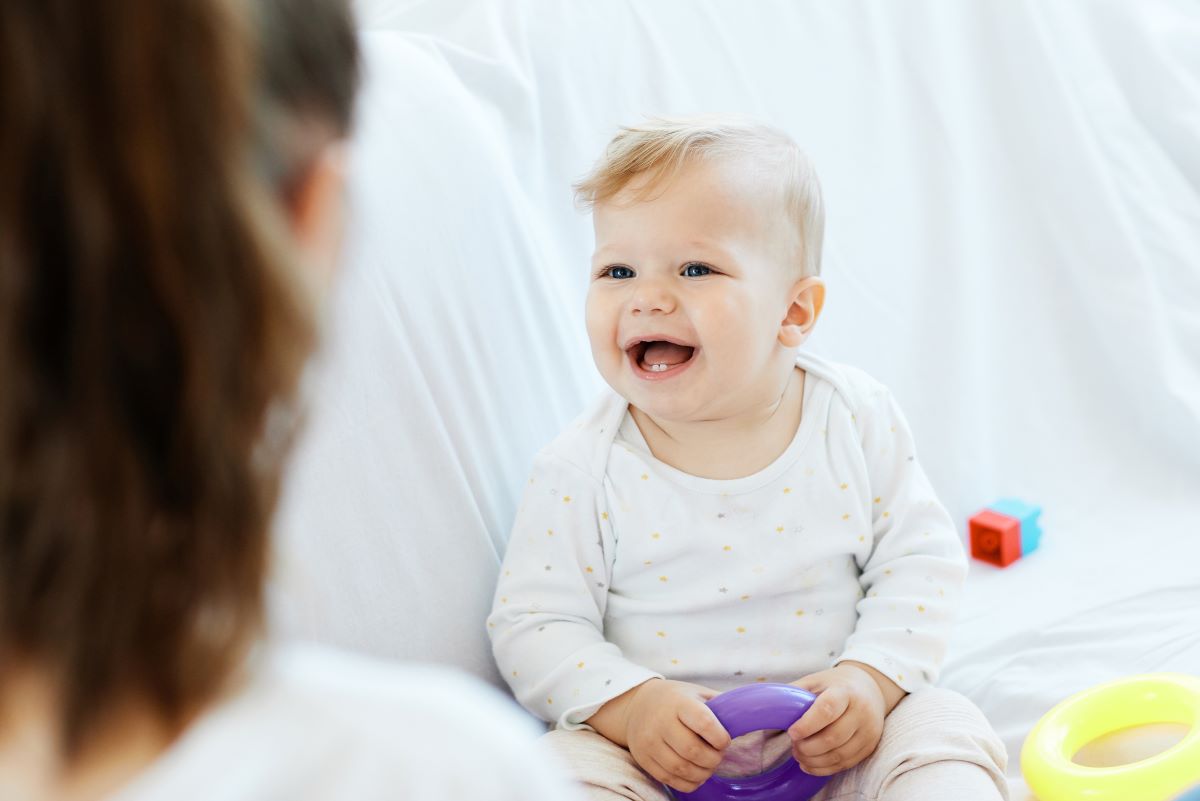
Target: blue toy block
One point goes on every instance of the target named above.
(1031, 532)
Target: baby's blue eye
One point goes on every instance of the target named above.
(696, 270)
(619, 271)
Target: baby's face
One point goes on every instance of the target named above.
(689, 290)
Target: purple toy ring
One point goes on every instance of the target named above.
(752, 708)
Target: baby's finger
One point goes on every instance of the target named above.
(700, 719)
(855, 751)
(814, 682)
(661, 774)
(690, 746)
(829, 706)
(649, 764)
(681, 774)
(830, 738)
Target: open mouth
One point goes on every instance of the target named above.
(655, 358)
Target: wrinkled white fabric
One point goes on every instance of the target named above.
(311, 724)
(1013, 197)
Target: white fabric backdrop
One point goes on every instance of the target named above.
(1013, 245)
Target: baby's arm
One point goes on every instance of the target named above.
(547, 634)
(546, 623)
(911, 582)
(913, 575)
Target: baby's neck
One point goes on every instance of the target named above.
(732, 447)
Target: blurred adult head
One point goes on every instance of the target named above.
(170, 185)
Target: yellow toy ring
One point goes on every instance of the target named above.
(1046, 757)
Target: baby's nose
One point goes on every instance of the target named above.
(652, 297)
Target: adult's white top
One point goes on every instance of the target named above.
(315, 724)
(621, 568)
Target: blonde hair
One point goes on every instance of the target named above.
(659, 147)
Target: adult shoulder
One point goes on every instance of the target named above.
(314, 723)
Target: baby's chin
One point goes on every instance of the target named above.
(665, 408)
(705, 398)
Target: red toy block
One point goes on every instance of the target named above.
(995, 538)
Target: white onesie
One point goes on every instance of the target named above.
(621, 568)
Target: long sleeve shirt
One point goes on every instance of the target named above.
(621, 568)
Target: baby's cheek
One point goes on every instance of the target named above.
(735, 332)
(592, 315)
(601, 330)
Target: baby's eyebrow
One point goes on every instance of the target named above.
(707, 249)
(719, 253)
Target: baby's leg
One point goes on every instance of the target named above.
(606, 770)
(936, 746)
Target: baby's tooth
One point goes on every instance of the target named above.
(658, 368)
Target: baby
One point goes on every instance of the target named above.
(735, 510)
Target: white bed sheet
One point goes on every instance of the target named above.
(1017, 677)
(1013, 246)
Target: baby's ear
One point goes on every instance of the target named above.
(807, 299)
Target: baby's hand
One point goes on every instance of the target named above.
(844, 724)
(672, 735)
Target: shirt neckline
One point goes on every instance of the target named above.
(816, 390)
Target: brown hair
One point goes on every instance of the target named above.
(309, 71)
(151, 328)
(660, 146)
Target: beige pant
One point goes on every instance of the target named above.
(936, 746)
